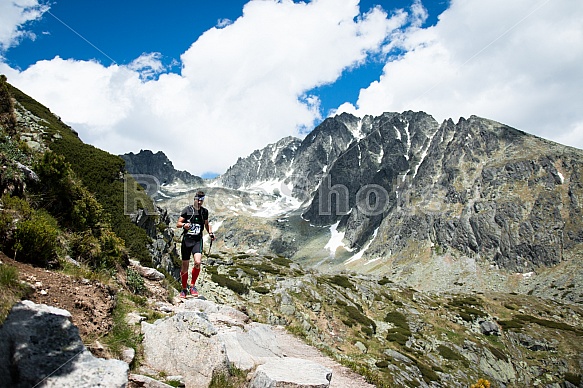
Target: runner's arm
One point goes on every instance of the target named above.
(208, 229)
(182, 224)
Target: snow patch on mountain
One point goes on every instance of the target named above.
(359, 254)
(335, 241)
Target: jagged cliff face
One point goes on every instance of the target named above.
(415, 199)
(477, 186)
(157, 165)
(271, 163)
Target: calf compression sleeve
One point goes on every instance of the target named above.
(195, 273)
(184, 279)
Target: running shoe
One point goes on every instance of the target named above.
(193, 291)
(183, 294)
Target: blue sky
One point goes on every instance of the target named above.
(208, 82)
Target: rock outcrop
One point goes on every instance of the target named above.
(39, 346)
(400, 189)
(279, 373)
(202, 339)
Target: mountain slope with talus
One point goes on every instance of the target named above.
(471, 205)
(403, 206)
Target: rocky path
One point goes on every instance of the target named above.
(342, 377)
(90, 304)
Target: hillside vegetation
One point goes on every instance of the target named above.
(60, 197)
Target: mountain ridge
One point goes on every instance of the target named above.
(400, 186)
(159, 166)
(385, 326)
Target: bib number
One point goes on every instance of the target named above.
(194, 230)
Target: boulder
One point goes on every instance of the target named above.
(246, 344)
(148, 273)
(146, 382)
(251, 346)
(185, 344)
(291, 373)
(489, 328)
(39, 345)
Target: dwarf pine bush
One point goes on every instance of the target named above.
(36, 238)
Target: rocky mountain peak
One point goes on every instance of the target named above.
(401, 189)
(157, 165)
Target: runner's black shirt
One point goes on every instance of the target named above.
(197, 218)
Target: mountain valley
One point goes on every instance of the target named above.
(413, 252)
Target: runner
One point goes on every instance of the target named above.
(193, 219)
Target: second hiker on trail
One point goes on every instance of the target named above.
(193, 219)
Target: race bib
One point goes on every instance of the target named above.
(194, 230)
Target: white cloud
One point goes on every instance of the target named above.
(242, 86)
(149, 65)
(14, 15)
(517, 62)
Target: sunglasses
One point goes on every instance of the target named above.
(199, 198)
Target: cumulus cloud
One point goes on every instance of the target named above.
(516, 62)
(148, 65)
(14, 16)
(242, 85)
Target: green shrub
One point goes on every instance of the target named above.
(348, 322)
(511, 324)
(261, 290)
(84, 247)
(384, 281)
(466, 308)
(18, 205)
(282, 261)
(395, 335)
(397, 319)
(87, 213)
(573, 378)
(35, 239)
(242, 256)
(104, 252)
(401, 332)
(341, 281)
(354, 314)
(12, 290)
(465, 301)
(264, 267)
(135, 282)
(427, 372)
(518, 322)
(249, 270)
(449, 353)
(231, 284)
(113, 250)
(474, 313)
(8, 276)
